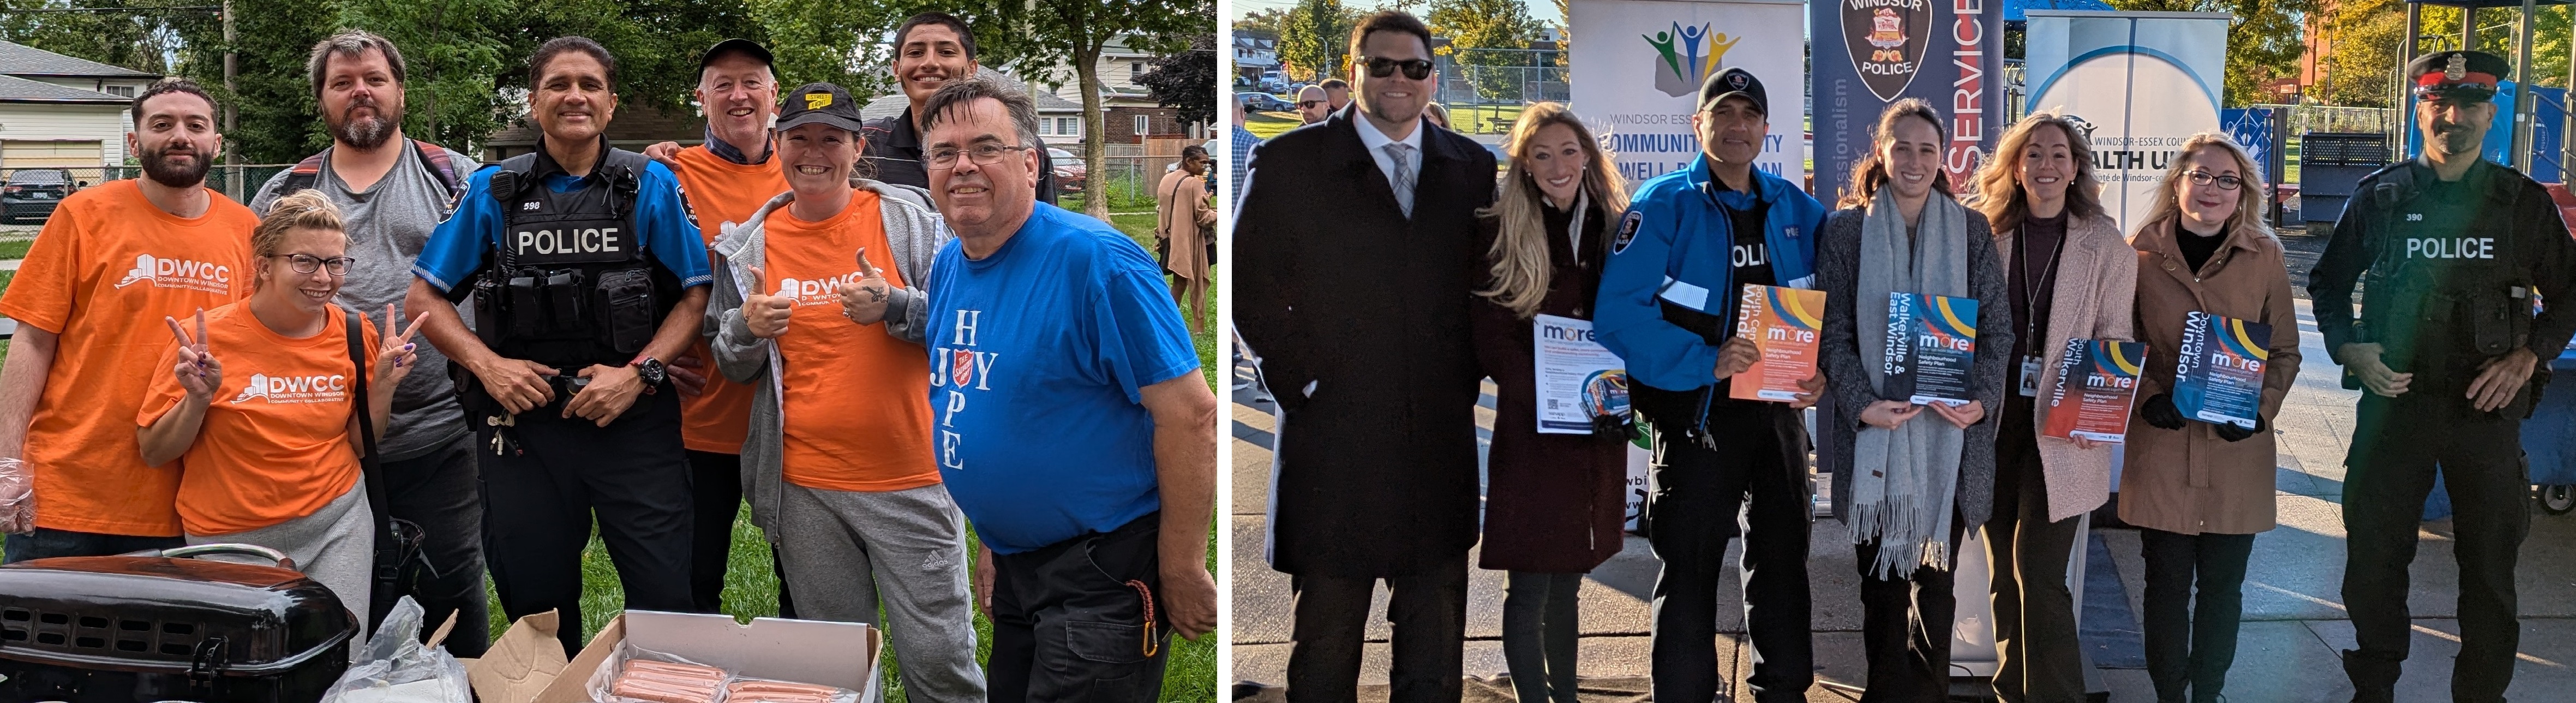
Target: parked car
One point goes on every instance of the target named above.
(1070, 174)
(1272, 81)
(31, 193)
(1265, 102)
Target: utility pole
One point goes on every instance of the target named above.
(232, 163)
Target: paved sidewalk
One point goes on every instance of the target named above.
(2294, 616)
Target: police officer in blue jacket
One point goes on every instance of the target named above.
(586, 274)
(1691, 240)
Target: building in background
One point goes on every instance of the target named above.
(57, 111)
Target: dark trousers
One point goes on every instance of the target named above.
(541, 498)
(47, 543)
(440, 491)
(1428, 608)
(1070, 625)
(2396, 447)
(715, 486)
(1541, 628)
(1690, 515)
(1905, 625)
(2034, 610)
(2192, 640)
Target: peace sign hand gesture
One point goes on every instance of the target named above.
(395, 355)
(864, 301)
(198, 371)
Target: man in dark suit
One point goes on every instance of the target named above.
(1355, 246)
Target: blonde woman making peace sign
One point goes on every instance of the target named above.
(257, 407)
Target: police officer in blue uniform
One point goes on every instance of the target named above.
(586, 273)
(2450, 251)
(1690, 240)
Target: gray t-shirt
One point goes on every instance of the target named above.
(387, 225)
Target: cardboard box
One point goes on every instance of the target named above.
(840, 654)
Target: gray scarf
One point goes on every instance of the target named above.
(1903, 480)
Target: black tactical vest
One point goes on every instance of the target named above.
(571, 285)
(2444, 290)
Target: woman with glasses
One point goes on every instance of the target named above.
(2199, 491)
(259, 405)
(1908, 478)
(1554, 502)
(2071, 278)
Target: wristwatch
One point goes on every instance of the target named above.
(651, 370)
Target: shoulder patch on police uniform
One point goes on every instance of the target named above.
(1627, 231)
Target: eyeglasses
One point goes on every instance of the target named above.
(1309, 103)
(308, 263)
(985, 154)
(1416, 69)
(2202, 178)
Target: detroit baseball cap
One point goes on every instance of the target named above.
(1734, 81)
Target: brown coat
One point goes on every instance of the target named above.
(1179, 204)
(2092, 301)
(1554, 503)
(2190, 481)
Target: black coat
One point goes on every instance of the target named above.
(1376, 471)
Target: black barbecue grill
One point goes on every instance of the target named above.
(159, 625)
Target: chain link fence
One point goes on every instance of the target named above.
(1484, 89)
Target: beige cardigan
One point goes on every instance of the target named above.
(2097, 280)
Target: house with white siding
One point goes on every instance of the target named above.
(57, 111)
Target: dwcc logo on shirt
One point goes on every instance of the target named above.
(179, 273)
(317, 388)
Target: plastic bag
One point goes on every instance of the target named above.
(396, 668)
(603, 682)
(17, 497)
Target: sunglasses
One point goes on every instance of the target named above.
(1416, 69)
(1309, 103)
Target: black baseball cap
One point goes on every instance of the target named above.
(2460, 75)
(1734, 81)
(745, 47)
(819, 102)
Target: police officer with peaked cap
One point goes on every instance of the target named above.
(2452, 254)
(586, 274)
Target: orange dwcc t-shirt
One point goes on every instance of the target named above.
(721, 191)
(275, 445)
(860, 419)
(104, 271)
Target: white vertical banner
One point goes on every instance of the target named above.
(1637, 66)
(2139, 82)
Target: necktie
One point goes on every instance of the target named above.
(1403, 180)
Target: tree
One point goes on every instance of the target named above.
(1269, 20)
(1313, 39)
(1077, 30)
(137, 37)
(1186, 80)
(2263, 43)
(1476, 29)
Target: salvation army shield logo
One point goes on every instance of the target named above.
(961, 367)
(1886, 39)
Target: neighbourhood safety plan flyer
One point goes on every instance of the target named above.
(1931, 344)
(2220, 376)
(2095, 382)
(1578, 379)
(1786, 324)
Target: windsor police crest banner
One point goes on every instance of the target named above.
(1870, 53)
(1637, 66)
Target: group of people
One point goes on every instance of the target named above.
(1372, 327)
(904, 334)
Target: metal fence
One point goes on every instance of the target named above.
(236, 182)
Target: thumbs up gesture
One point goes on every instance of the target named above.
(864, 301)
(198, 371)
(767, 314)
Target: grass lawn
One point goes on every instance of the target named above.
(751, 590)
(1269, 124)
(15, 248)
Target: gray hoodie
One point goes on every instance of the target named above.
(914, 233)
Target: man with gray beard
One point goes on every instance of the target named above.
(393, 192)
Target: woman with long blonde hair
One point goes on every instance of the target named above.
(2071, 278)
(1907, 482)
(1554, 502)
(2199, 491)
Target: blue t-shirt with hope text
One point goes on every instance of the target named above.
(458, 248)
(1037, 357)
